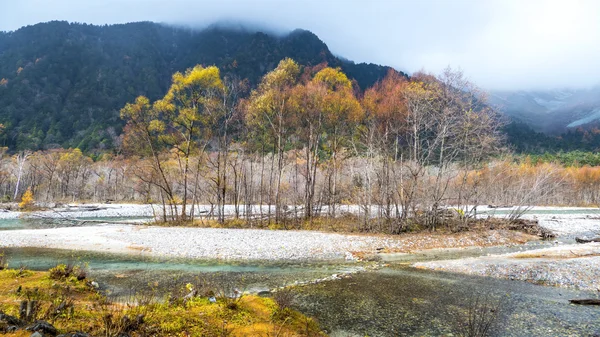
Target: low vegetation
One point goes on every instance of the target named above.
(451, 224)
(481, 316)
(63, 300)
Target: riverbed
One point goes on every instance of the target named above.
(355, 298)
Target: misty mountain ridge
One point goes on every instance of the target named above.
(62, 84)
(551, 111)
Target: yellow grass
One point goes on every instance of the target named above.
(247, 316)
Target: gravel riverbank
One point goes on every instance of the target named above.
(243, 244)
(571, 266)
(565, 265)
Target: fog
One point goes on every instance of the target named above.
(499, 44)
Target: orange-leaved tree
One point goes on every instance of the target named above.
(325, 110)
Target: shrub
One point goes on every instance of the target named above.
(63, 271)
(284, 298)
(481, 316)
(27, 201)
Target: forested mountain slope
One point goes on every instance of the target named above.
(62, 84)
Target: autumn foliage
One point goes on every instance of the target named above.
(27, 201)
(306, 143)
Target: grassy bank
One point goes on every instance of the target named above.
(68, 302)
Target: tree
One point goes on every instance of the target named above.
(20, 159)
(27, 200)
(342, 114)
(73, 172)
(183, 121)
(192, 108)
(269, 112)
(449, 123)
(142, 136)
(322, 106)
(386, 122)
(228, 117)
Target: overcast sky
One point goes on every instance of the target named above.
(499, 44)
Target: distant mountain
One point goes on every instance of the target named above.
(553, 111)
(62, 84)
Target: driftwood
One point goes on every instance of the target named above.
(83, 222)
(81, 209)
(580, 240)
(72, 222)
(531, 227)
(586, 302)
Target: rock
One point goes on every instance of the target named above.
(36, 334)
(585, 240)
(75, 334)
(43, 327)
(264, 293)
(350, 257)
(10, 320)
(191, 295)
(131, 325)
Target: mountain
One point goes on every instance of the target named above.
(551, 111)
(63, 84)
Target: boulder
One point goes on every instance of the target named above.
(43, 327)
(10, 320)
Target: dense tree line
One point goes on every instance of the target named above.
(415, 137)
(62, 84)
(68, 175)
(524, 140)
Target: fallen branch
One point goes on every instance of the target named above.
(586, 302)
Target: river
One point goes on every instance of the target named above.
(386, 298)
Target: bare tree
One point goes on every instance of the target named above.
(20, 159)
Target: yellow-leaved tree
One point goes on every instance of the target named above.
(182, 122)
(268, 117)
(27, 201)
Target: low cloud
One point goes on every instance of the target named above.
(499, 44)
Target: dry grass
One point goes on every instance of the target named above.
(351, 224)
